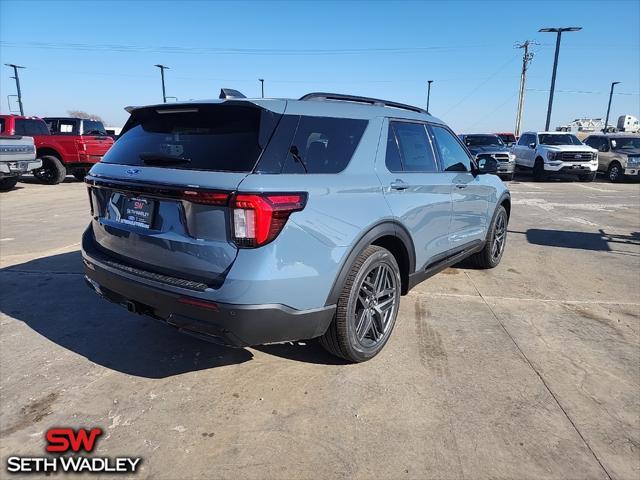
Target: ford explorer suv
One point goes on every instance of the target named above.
(618, 155)
(491, 146)
(252, 221)
(555, 153)
(65, 151)
(17, 157)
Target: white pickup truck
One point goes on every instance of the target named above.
(555, 153)
(17, 156)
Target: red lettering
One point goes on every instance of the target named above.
(63, 439)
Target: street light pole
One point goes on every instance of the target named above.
(162, 69)
(429, 82)
(17, 79)
(558, 31)
(261, 80)
(606, 121)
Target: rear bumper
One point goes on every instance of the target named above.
(228, 324)
(19, 167)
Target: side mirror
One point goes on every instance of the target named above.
(532, 145)
(487, 166)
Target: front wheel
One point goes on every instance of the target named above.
(539, 175)
(367, 307)
(8, 183)
(614, 172)
(589, 177)
(507, 177)
(491, 254)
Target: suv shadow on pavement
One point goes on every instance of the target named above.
(50, 296)
(601, 241)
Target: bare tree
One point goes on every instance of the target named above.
(85, 115)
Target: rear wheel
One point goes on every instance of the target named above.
(491, 254)
(79, 174)
(614, 172)
(7, 183)
(367, 307)
(539, 175)
(52, 171)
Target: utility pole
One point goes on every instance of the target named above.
(162, 69)
(526, 59)
(429, 82)
(558, 31)
(606, 121)
(261, 80)
(17, 79)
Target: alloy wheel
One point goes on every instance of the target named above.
(376, 305)
(499, 236)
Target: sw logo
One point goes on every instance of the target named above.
(67, 440)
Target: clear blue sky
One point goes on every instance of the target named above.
(99, 56)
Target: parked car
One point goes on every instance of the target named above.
(555, 153)
(491, 146)
(619, 154)
(628, 124)
(259, 221)
(17, 156)
(61, 154)
(507, 138)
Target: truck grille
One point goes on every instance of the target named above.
(577, 156)
(500, 157)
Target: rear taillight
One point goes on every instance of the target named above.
(258, 219)
(206, 198)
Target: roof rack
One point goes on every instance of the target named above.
(367, 100)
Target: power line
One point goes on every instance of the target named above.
(526, 59)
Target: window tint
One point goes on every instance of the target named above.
(392, 159)
(415, 148)
(524, 140)
(599, 143)
(453, 156)
(92, 127)
(208, 137)
(29, 128)
(323, 144)
(2, 125)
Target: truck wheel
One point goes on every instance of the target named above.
(491, 254)
(539, 175)
(590, 177)
(615, 172)
(367, 307)
(79, 174)
(8, 183)
(507, 177)
(52, 171)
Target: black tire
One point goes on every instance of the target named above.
(487, 257)
(507, 177)
(360, 328)
(590, 177)
(79, 174)
(539, 175)
(615, 172)
(52, 171)
(8, 183)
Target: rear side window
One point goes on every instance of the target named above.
(227, 138)
(453, 156)
(312, 145)
(29, 127)
(415, 148)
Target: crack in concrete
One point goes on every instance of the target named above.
(546, 386)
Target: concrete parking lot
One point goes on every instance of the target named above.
(530, 370)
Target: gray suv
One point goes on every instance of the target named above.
(252, 221)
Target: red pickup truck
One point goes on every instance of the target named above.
(65, 145)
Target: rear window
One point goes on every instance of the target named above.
(226, 138)
(92, 127)
(29, 127)
(304, 144)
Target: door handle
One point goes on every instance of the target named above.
(461, 185)
(399, 185)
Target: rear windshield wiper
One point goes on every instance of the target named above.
(162, 159)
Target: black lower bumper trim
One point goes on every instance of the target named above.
(228, 324)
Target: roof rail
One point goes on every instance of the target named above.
(367, 100)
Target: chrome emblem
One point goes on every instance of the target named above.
(578, 156)
(132, 171)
